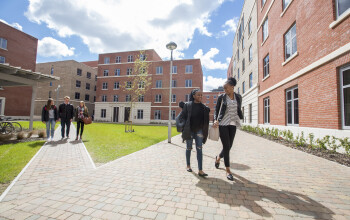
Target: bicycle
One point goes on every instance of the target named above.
(8, 127)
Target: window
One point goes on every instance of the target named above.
(140, 114)
(141, 98)
(94, 98)
(141, 85)
(104, 98)
(158, 98)
(187, 98)
(87, 86)
(128, 98)
(118, 59)
(263, 3)
(50, 83)
(115, 98)
(157, 115)
(238, 55)
(174, 71)
(265, 29)
(238, 73)
(234, 64)
(238, 91)
(290, 42)
(130, 59)
(266, 66)
(250, 53)
(173, 114)
(243, 65)
(242, 43)
(2, 59)
(128, 85)
(188, 83)
(103, 113)
(292, 106)
(77, 95)
(106, 60)
(159, 84)
(104, 86)
(267, 110)
(208, 96)
(342, 6)
(50, 95)
(345, 96)
(95, 89)
(173, 98)
(243, 87)
(88, 75)
(250, 80)
(79, 72)
(87, 97)
(173, 84)
(3, 43)
(159, 70)
(215, 102)
(117, 72)
(51, 71)
(214, 96)
(129, 71)
(250, 113)
(116, 85)
(77, 83)
(105, 72)
(95, 77)
(250, 26)
(142, 57)
(285, 3)
(189, 69)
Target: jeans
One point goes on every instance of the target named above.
(198, 137)
(227, 135)
(63, 124)
(80, 124)
(51, 122)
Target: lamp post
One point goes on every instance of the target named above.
(171, 46)
(57, 90)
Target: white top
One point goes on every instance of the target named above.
(231, 115)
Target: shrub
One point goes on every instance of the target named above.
(20, 135)
(311, 140)
(345, 143)
(41, 134)
(289, 136)
(333, 144)
(300, 140)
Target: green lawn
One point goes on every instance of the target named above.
(37, 125)
(13, 158)
(107, 142)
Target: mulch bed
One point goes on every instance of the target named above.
(326, 154)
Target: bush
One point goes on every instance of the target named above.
(345, 143)
(20, 135)
(41, 134)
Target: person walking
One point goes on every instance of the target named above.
(228, 119)
(80, 113)
(49, 117)
(65, 113)
(196, 117)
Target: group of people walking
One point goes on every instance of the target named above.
(65, 113)
(227, 117)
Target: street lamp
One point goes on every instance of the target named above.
(171, 46)
(57, 90)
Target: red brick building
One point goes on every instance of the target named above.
(115, 69)
(17, 49)
(210, 98)
(304, 58)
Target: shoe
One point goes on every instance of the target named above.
(76, 138)
(202, 174)
(189, 170)
(48, 140)
(217, 164)
(230, 177)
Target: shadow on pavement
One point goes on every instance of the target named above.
(243, 192)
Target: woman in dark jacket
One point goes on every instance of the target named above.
(196, 117)
(49, 117)
(228, 119)
(80, 113)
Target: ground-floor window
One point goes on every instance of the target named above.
(139, 114)
(292, 106)
(157, 115)
(345, 95)
(250, 113)
(173, 114)
(103, 113)
(267, 110)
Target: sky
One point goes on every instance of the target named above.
(81, 29)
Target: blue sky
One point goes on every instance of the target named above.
(81, 29)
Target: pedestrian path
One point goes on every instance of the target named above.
(271, 181)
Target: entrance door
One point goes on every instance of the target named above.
(115, 114)
(126, 113)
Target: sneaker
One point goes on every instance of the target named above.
(48, 140)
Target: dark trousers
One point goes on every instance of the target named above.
(227, 135)
(80, 124)
(64, 123)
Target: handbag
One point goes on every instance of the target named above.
(87, 120)
(214, 132)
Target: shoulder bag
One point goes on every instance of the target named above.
(214, 132)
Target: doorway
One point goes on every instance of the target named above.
(126, 113)
(115, 114)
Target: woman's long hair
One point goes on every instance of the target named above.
(48, 104)
(83, 104)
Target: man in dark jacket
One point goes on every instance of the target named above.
(65, 113)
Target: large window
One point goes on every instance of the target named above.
(104, 98)
(79, 72)
(103, 113)
(174, 70)
(106, 60)
(345, 93)
(159, 70)
(159, 84)
(189, 69)
(117, 72)
(77, 83)
(267, 110)
(129, 71)
(250, 80)
(104, 86)
(250, 53)
(263, 3)
(157, 115)
(342, 6)
(105, 72)
(158, 98)
(118, 59)
(141, 98)
(3, 43)
(130, 59)
(290, 42)
(265, 29)
(115, 98)
(116, 85)
(292, 106)
(266, 66)
(87, 86)
(285, 3)
(140, 114)
(87, 97)
(77, 95)
(188, 83)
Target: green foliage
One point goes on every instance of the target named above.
(289, 136)
(311, 140)
(345, 143)
(300, 140)
(333, 144)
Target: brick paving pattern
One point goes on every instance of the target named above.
(271, 181)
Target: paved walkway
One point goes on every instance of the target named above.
(271, 181)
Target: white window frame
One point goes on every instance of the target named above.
(103, 113)
(115, 98)
(266, 110)
(3, 43)
(104, 98)
(342, 87)
(159, 70)
(141, 85)
(130, 58)
(290, 43)
(129, 71)
(250, 53)
(106, 60)
(188, 83)
(173, 83)
(173, 98)
(139, 113)
(105, 72)
(173, 114)
(266, 66)
(174, 68)
(189, 69)
(128, 85)
(157, 115)
(265, 29)
(284, 5)
(337, 9)
(141, 98)
(117, 72)
(142, 57)
(159, 84)
(158, 98)
(128, 98)
(251, 80)
(104, 86)
(116, 85)
(292, 107)
(118, 59)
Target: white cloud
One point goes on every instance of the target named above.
(120, 25)
(208, 62)
(15, 25)
(230, 27)
(50, 47)
(210, 83)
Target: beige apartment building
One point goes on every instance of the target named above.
(77, 80)
(245, 62)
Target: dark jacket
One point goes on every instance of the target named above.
(65, 112)
(217, 117)
(45, 113)
(185, 116)
(85, 113)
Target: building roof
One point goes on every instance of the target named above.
(16, 76)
